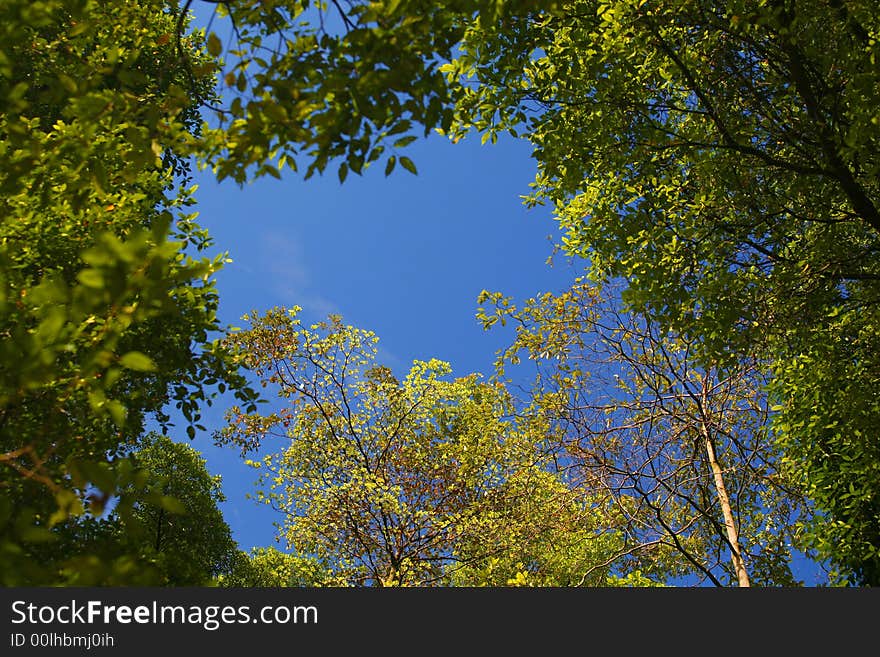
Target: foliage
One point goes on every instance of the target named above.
(177, 526)
(719, 158)
(420, 481)
(76, 546)
(269, 567)
(164, 528)
(312, 82)
(828, 405)
(722, 160)
(107, 301)
(680, 449)
(554, 535)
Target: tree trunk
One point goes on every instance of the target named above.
(739, 565)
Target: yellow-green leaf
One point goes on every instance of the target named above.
(135, 360)
(214, 45)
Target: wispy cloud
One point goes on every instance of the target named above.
(290, 281)
(288, 276)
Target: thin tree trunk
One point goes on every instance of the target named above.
(739, 565)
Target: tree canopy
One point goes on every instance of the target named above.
(269, 567)
(722, 161)
(107, 295)
(178, 526)
(420, 481)
(681, 449)
(715, 164)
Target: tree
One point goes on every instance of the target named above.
(552, 534)
(179, 526)
(169, 531)
(722, 159)
(309, 83)
(420, 481)
(734, 189)
(681, 450)
(107, 300)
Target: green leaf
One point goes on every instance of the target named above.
(117, 411)
(407, 164)
(51, 326)
(135, 360)
(389, 166)
(214, 45)
(405, 141)
(67, 82)
(172, 504)
(400, 126)
(92, 278)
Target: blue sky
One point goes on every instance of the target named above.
(404, 256)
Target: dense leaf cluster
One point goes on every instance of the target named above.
(107, 297)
